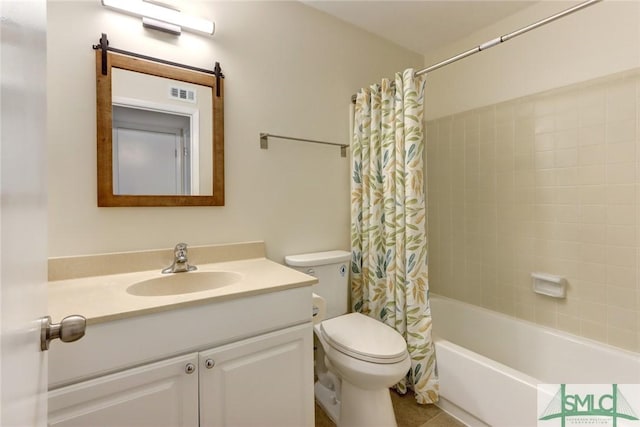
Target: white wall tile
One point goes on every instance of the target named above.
(550, 184)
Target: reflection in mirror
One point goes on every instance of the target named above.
(152, 152)
(160, 136)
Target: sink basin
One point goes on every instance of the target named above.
(183, 283)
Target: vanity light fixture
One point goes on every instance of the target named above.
(161, 16)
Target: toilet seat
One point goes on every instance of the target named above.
(364, 338)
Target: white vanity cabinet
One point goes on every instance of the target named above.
(259, 382)
(157, 394)
(246, 362)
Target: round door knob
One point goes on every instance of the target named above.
(190, 368)
(209, 363)
(70, 329)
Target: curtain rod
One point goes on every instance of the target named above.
(498, 40)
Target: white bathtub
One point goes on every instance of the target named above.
(489, 363)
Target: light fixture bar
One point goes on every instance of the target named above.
(161, 13)
(161, 26)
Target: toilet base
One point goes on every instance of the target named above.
(327, 400)
(365, 408)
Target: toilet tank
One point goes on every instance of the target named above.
(331, 268)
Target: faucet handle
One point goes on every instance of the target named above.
(180, 250)
(180, 261)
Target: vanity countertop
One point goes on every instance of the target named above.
(105, 298)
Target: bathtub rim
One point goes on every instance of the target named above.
(577, 339)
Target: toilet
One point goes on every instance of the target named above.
(358, 358)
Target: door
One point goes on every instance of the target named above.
(158, 394)
(265, 381)
(23, 230)
(152, 151)
(147, 162)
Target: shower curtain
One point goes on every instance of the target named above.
(388, 221)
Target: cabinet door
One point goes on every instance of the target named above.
(158, 394)
(262, 381)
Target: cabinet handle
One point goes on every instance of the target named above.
(190, 368)
(209, 363)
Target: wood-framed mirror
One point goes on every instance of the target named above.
(160, 133)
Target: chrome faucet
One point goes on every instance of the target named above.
(180, 261)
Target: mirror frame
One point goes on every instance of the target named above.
(104, 111)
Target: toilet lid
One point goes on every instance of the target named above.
(364, 338)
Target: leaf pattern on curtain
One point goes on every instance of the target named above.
(388, 221)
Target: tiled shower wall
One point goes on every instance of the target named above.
(545, 183)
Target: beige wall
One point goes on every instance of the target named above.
(545, 182)
(596, 41)
(289, 70)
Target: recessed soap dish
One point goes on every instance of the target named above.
(549, 284)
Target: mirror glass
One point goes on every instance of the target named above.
(160, 137)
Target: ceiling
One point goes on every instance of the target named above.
(420, 26)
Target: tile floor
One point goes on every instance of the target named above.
(408, 414)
